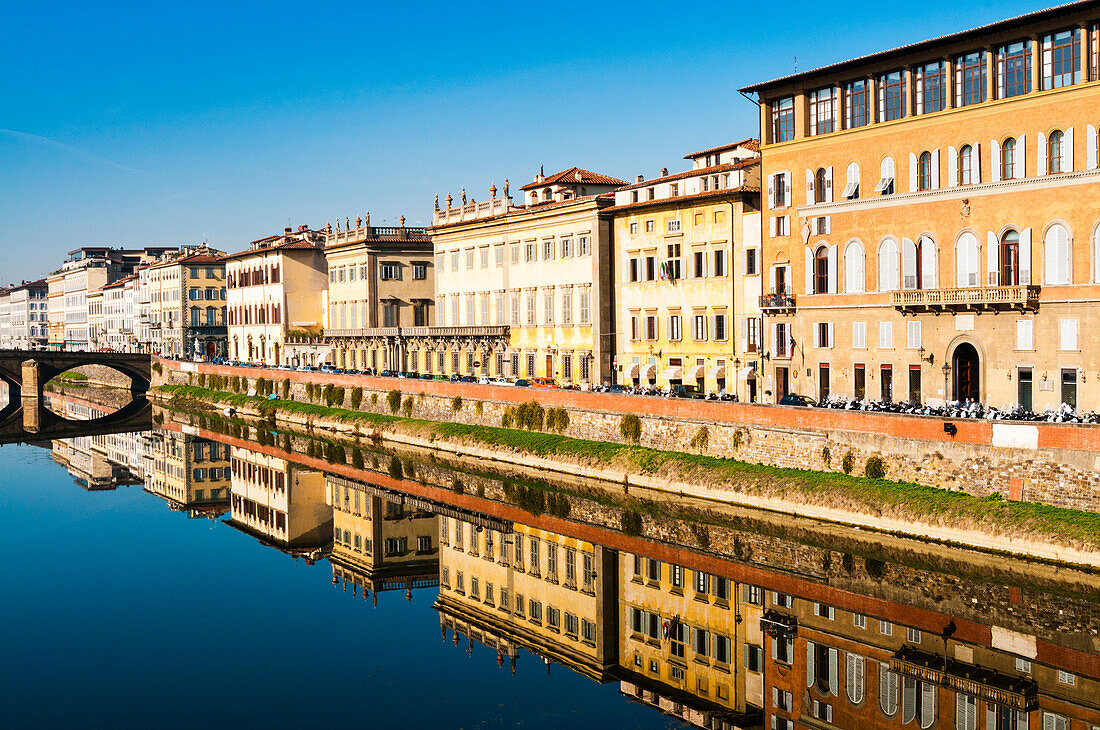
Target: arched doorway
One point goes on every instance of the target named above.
(964, 365)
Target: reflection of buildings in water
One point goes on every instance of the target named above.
(551, 594)
(280, 503)
(190, 473)
(684, 642)
(851, 669)
(379, 543)
(101, 462)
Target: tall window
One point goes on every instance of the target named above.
(823, 110)
(891, 96)
(1057, 253)
(1010, 259)
(1008, 159)
(966, 165)
(931, 91)
(1014, 69)
(821, 270)
(783, 120)
(857, 110)
(966, 261)
(970, 79)
(1055, 156)
(1062, 59)
(924, 171)
(820, 182)
(888, 265)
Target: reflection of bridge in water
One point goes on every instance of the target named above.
(29, 419)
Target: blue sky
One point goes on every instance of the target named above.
(134, 123)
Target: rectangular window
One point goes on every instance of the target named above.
(720, 262)
(548, 307)
(699, 263)
(584, 246)
(885, 628)
(823, 111)
(931, 88)
(913, 335)
(857, 109)
(673, 226)
(498, 254)
(1062, 59)
(859, 620)
(751, 267)
(1067, 329)
(783, 119)
(859, 335)
(634, 226)
(469, 258)
(699, 327)
(891, 96)
(483, 257)
(1014, 69)
(721, 328)
(970, 79)
(1024, 334)
(675, 331)
(913, 635)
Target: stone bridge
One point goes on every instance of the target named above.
(28, 419)
(26, 371)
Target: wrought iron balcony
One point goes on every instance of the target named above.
(1020, 693)
(777, 302)
(978, 298)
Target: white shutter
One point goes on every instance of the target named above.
(936, 169)
(995, 160)
(1019, 159)
(1025, 256)
(927, 704)
(976, 158)
(908, 264)
(817, 336)
(773, 271)
(772, 222)
(928, 263)
(1023, 334)
(912, 173)
(908, 699)
(992, 258)
(809, 187)
(833, 659)
(809, 271)
(952, 167)
(744, 334)
(811, 670)
(1041, 166)
(771, 196)
(832, 343)
(1090, 147)
(1067, 150)
(832, 268)
(787, 188)
(1067, 334)
(829, 184)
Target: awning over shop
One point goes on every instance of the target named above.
(718, 373)
(695, 373)
(747, 374)
(672, 374)
(633, 370)
(649, 372)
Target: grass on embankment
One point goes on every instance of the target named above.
(877, 497)
(70, 375)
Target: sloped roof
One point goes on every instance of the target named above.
(750, 144)
(574, 176)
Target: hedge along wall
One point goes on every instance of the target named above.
(1055, 464)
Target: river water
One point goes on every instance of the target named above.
(197, 575)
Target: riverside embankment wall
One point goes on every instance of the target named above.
(1049, 463)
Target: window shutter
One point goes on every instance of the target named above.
(1041, 166)
(772, 221)
(927, 704)
(908, 699)
(809, 187)
(1025, 256)
(1090, 147)
(771, 193)
(829, 184)
(912, 173)
(787, 187)
(811, 670)
(744, 334)
(1019, 159)
(928, 263)
(832, 268)
(817, 336)
(834, 662)
(992, 257)
(977, 158)
(908, 264)
(995, 159)
(828, 224)
(990, 715)
(830, 344)
(935, 169)
(809, 271)
(1067, 150)
(773, 274)
(952, 167)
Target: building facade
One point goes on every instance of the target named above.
(687, 275)
(119, 314)
(274, 288)
(542, 269)
(28, 315)
(184, 304)
(932, 218)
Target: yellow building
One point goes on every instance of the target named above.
(932, 220)
(529, 587)
(274, 288)
(379, 543)
(686, 641)
(687, 274)
(378, 279)
(186, 303)
(188, 472)
(542, 269)
(280, 503)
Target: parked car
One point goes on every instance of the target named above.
(618, 389)
(502, 381)
(467, 379)
(521, 383)
(686, 391)
(386, 374)
(484, 380)
(794, 399)
(427, 376)
(543, 383)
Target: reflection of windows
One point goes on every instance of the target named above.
(887, 690)
(918, 702)
(783, 649)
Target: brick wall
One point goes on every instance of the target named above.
(1058, 467)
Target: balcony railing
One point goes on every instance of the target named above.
(1021, 297)
(777, 301)
(1011, 691)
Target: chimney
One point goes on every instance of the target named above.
(664, 172)
(287, 231)
(639, 178)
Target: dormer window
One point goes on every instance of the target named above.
(674, 189)
(547, 195)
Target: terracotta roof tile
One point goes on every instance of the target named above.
(746, 189)
(575, 175)
(700, 172)
(750, 144)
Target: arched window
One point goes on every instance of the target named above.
(1010, 259)
(924, 171)
(821, 270)
(1008, 159)
(886, 177)
(887, 690)
(929, 263)
(1057, 255)
(547, 194)
(1055, 156)
(888, 265)
(854, 678)
(851, 186)
(966, 165)
(1096, 254)
(820, 180)
(853, 268)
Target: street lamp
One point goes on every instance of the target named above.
(736, 376)
(946, 381)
